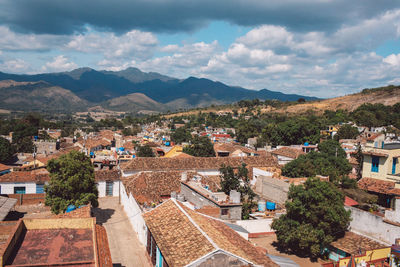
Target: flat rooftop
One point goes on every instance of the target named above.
(66, 247)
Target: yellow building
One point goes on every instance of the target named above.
(175, 151)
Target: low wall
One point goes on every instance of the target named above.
(28, 199)
(257, 227)
(373, 226)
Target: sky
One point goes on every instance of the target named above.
(322, 48)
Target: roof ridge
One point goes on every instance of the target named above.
(196, 225)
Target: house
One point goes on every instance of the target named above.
(54, 242)
(285, 155)
(330, 131)
(178, 236)
(376, 140)
(307, 148)
(358, 250)
(32, 182)
(230, 208)
(381, 164)
(46, 147)
(233, 150)
(207, 166)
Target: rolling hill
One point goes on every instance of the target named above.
(97, 87)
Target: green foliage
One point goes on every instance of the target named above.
(200, 147)
(329, 161)
(72, 182)
(6, 150)
(25, 145)
(315, 217)
(144, 151)
(181, 135)
(347, 132)
(239, 181)
(360, 159)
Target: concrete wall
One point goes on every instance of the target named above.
(101, 186)
(256, 226)
(373, 226)
(8, 188)
(134, 213)
(235, 212)
(272, 189)
(394, 215)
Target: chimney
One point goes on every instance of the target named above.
(234, 197)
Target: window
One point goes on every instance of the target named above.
(224, 212)
(394, 165)
(375, 164)
(19, 190)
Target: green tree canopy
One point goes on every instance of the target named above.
(6, 150)
(315, 217)
(144, 151)
(200, 147)
(347, 132)
(72, 182)
(181, 135)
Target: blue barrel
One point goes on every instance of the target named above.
(261, 206)
(70, 208)
(167, 143)
(270, 205)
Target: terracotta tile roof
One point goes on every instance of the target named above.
(38, 176)
(210, 211)
(107, 175)
(4, 167)
(375, 153)
(288, 152)
(103, 249)
(177, 237)
(228, 147)
(195, 163)
(349, 201)
(378, 186)
(373, 136)
(182, 156)
(353, 244)
(176, 230)
(149, 187)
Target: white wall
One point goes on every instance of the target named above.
(373, 226)
(258, 172)
(209, 172)
(8, 188)
(101, 186)
(394, 215)
(256, 226)
(134, 214)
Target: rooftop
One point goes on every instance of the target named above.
(378, 186)
(184, 236)
(195, 163)
(288, 152)
(353, 244)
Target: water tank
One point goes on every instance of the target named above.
(261, 205)
(306, 144)
(167, 143)
(70, 208)
(270, 205)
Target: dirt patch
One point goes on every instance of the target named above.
(267, 243)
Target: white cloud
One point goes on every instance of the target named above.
(392, 59)
(60, 63)
(14, 65)
(133, 44)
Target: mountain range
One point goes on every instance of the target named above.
(129, 90)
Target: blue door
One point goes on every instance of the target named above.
(394, 165)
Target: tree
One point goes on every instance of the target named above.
(347, 132)
(72, 182)
(315, 217)
(181, 135)
(144, 151)
(360, 159)
(6, 150)
(239, 181)
(200, 147)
